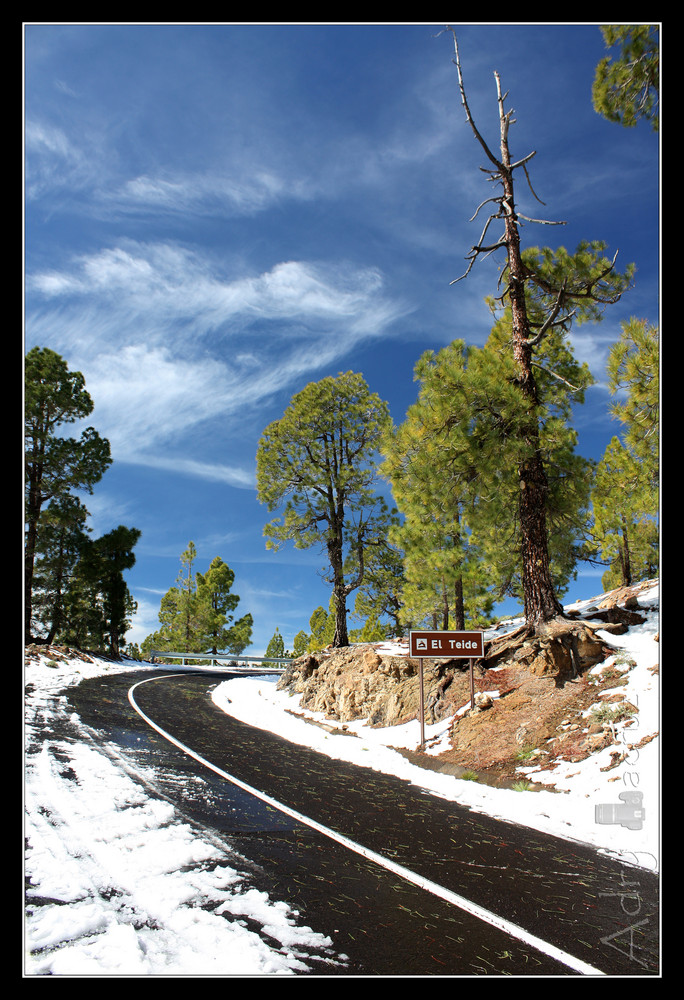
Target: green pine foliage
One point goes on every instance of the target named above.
(276, 645)
(317, 466)
(322, 625)
(373, 631)
(75, 591)
(634, 376)
(60, 538)
(56, 467)
(625, 497)
(627, 82)
(454, 468)
(300, 643)
(99, 606)
(196, 614)
(378, 602)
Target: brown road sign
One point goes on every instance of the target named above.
(446, 645)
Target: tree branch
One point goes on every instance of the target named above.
(548, 371)
(464, 101)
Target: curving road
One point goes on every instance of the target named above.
(404, 882)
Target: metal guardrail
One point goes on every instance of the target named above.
(234, 662)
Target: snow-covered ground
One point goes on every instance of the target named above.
(128, 887)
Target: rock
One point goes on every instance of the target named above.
(539, 675)
(562, 649)
(359, 682)
(356, 682)
(614, 615)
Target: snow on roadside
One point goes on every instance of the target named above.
(597, 781)
(120, 884)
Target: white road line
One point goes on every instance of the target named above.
(451, 897)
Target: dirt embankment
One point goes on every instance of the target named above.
(530, 691)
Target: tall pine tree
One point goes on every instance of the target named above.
(317, 463)
(543, 290)
(60, 540)
(56, 466)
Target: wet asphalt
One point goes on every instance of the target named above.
(595, 908)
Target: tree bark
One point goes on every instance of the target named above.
(540, 601)
(625, 561)
(459, 605)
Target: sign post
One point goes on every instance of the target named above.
(444, 646)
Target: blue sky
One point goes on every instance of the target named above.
(218, 214)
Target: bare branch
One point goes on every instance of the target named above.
(491, 219)
(464, 101)
(548, 371)
(549, 322)
(540, 222)
(525, 159)
(466, 272)
(474, 254)
(485, 202)
(529, 183)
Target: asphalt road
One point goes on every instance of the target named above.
(576, 905)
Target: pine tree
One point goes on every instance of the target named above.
(322, 625)
(276, 645)
(454, 467)
(60, 539)
(379, 598)
(300, 643)
(620, 522)
(55, 466)
(373, 631)
(196, 614)
(216, 602)
(543, 290)
(625, 495)
(98, 605)
(634, 374)
(418, 455)
(318, 463)
(626, 84)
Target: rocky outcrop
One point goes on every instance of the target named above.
(360, 682)
(526, 686)
(357, 682)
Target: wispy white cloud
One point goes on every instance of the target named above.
(54, 163)
(166, 281)
(231, 475)
(168, 342)
(243, 192)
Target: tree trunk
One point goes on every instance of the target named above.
(625, 561)
(540, 602)
(459, 606)
(29, 562)
(341, 637)
(445, 607)
(335, 555)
